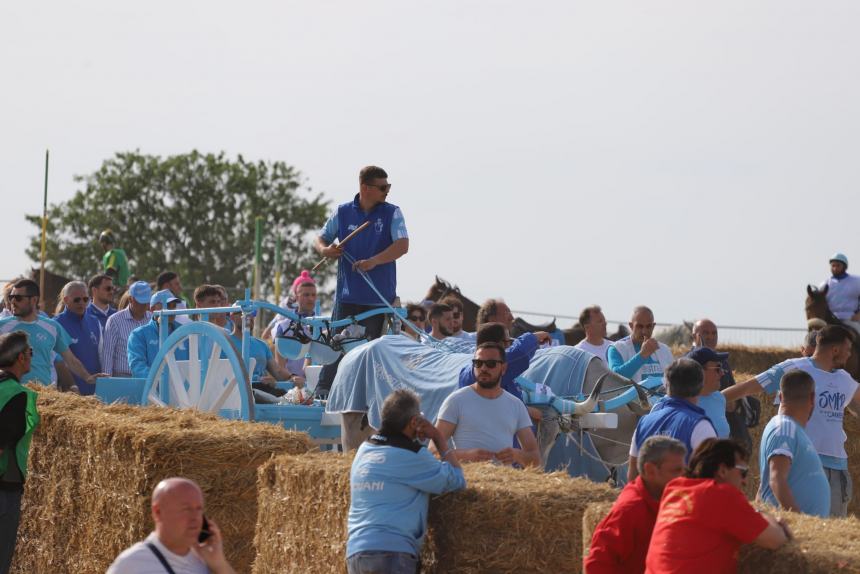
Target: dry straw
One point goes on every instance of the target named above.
(819, 546)
(93, 467)
(506, 521)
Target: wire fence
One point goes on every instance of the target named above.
(729, 334)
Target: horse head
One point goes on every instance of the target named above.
(816, 305)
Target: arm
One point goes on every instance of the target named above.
(617, 364)
(774, 536)
(212, 551)
(779, 466)
(611, 545)
(13, 421)
(446, 429)
(280, 373)
(391, 253)
(77, 368)
(740, 390)
(855, 401)
(527, 455)
(327, 249)
(137, 355)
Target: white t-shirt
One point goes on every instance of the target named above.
(598, 351)
(703, 429)
(139, 559)
(490, 424)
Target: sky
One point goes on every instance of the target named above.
(697, 157)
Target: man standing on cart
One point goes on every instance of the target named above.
(372, 251)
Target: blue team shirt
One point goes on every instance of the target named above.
(806, 478)
(714, 406)
(46, 337)
(86, 334)
(259, 351)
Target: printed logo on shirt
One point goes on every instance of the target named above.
(675, 506)
(832, 401)
(378, 226)
(375, 457)
(351, 227)
(41, 337)
(373, 485)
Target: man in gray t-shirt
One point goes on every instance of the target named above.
(481, 420)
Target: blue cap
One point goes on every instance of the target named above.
(840, 257)
(163, 297)
(704, 355)
(140, 292)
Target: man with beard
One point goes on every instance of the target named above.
(482, 419)
(593, 322)
(843, 292)
(441, 321)
(834, 390)
(457, 325)
(639, 356)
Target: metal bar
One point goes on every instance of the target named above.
(44, 236)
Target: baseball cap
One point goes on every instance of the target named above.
(703, 355)
(839, 257)
(164, 297)
(141, 292)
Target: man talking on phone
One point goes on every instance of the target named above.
(184, 541)
(392, 478)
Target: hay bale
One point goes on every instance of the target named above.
(819, 546)
(755, 360)
(93, 468)
(505, 521)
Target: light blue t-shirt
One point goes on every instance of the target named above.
(398, 227)
(806, 478)
(391, 490)
(714, 406)
(46, 337)
(260, 351)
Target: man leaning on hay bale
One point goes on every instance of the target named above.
(391, 480)
(18, 420)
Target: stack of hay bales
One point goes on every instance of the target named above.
(93, 468)
(756, 360)
(819, 546)
(505, 521)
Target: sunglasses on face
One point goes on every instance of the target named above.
(490, 363)
(19, 297)
(744, 470)
(77, 300)
(384, 188)
(416, 318)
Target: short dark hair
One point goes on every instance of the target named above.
(796, 386)
(11, 345)
(711, 453)
(834, 335)
(371, 172)
(453, 302)
(413, 307)
(491, 333)
(496, 346)
(487, 311)
(97, 281)
(811, 339)
(685, 378)
(585, 316)
(438, 309)
(206, 291)
(31, 286)
(398, 409)
(163, 278)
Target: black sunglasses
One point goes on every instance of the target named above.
(491, 363)
(19, 297)
(77, 300)
(385, 188)
(744, 470)
(414, 318)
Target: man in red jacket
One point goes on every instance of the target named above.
(620, 542)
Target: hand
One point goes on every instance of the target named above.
(364, 265)
(543, 337)
(649, 347)
(508, 455)
(92, 378)
(333, 251)
(426, 430)
(781, 521)
(298, 381)
(212, 551)
(474, 454)
(268, 380)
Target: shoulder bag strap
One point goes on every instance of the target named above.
(160, 557)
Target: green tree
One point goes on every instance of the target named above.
(191, 213)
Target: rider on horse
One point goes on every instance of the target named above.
(843, 292)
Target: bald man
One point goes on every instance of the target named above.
(639, 355)
(177, 510)
(738, 413)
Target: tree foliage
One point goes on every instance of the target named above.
(191, 213)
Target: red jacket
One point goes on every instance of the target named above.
(620, 541)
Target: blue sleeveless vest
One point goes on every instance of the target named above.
(351, 287)
(671, 417)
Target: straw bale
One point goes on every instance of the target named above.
(505, 521)
(819, 546)
(93, 467)
(756, 360)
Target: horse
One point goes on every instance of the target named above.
(676, 335)
(441, 289)
(818, 310)
(573, 335)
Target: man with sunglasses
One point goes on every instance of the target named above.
(84, 329)
(101, 298)
(46, 335)
(457, 319)
(639, 355)
(711, 400)
(371, 252)
(417, 315)
(143, 343)
(481, 420)
(704, 518)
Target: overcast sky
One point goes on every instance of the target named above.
(699, 157)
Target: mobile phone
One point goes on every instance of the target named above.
(204, 532)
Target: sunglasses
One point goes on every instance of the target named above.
(385, 188)
(490, 363)
(19, 297)
(77, 300)
(744, 470)
(415, 318)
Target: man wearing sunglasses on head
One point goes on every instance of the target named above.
(84, 329)
(46, 335)
(101, 298)
(481, 420)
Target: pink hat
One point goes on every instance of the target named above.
(304, 277)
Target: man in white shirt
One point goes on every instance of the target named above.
(177, 510)
(834, 391)
(843, 292)
(593, 321)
